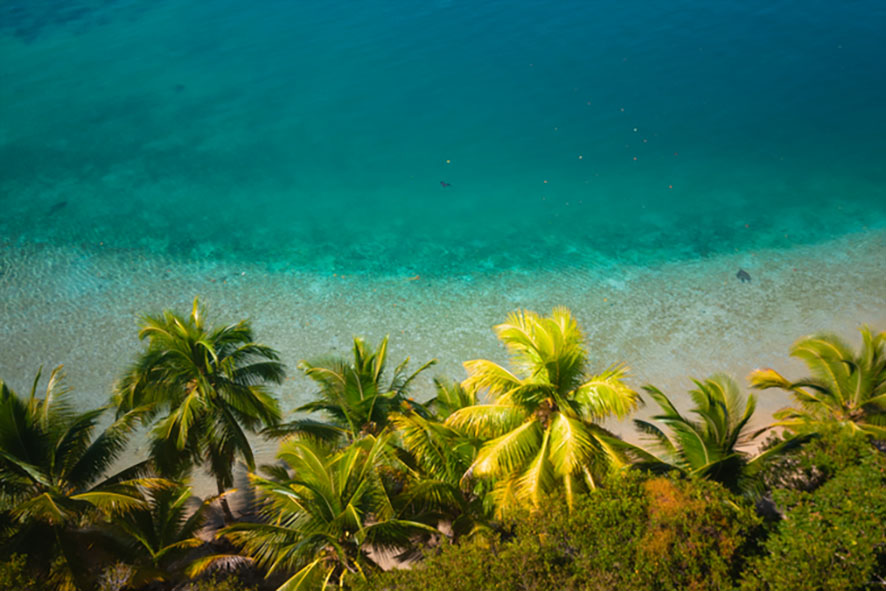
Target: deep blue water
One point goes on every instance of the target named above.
(315, 135)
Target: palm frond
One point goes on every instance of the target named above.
(306, 427)
(487, 421)
(606, 394)
(842, 386)
(488, 375)
(509, 452)
(571, 444)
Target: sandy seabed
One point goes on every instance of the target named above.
(669, 323)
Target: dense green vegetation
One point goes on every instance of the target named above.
(507, 480)
(635, 532)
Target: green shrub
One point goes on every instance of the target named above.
(14, 574)
(811, 465)
(638, 533)
(219, 583)
(833, 538)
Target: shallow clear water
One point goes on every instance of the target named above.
(284, 160)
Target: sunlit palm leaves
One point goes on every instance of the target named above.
(211, 384)
(451, 396)
(434, 457)
(355, 394)
(844, 388)
(707, 446)
(541, 429)
(323, 514)
(52, 477)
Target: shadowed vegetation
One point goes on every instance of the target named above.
(53, 481)
(708, 447)
(323, 512)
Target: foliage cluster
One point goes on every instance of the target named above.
(527, 490)
(831, 538)
(637, 532)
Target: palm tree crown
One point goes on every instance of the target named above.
(707, 447)
(52, 478)
(433, 457)
(323, 513)
(844, 388)
(211, 382)
(355, 394)
(541, 429)
(159, 536)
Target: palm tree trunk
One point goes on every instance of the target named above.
(226, 509)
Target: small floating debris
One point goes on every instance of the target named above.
(444, 184)
(743, 276)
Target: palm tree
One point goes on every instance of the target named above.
(322, 515)
(161, 534)
(211, 383)
(451, 396)
(708, 447)
(845, 388)
(433, 457)
(354, 394)
(53, 488)
(542, 428)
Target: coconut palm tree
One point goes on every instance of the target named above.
(323, 514)
(451, 396)
(845, 388)
(707, 447)
(210, 385)
(541, 429)
(432, 459)
(160, 535)
(355, 394)
(53, 486)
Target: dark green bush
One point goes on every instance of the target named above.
(638, 533)
(811, 465)
(833, 538)
(219, 583)
(14, 574)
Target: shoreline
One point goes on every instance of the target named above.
(668, 323)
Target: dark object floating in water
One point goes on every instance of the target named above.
(56, 207)
(444, 184)
(179, 87)
(743, 276)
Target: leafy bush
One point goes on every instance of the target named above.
(808, 467)
(831, 539)
(219, 583)
(14, 574)
(639, 533)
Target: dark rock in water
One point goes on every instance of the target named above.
(743, 276)
(56, 207)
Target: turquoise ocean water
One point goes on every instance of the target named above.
(421, 169)
(315, 136)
